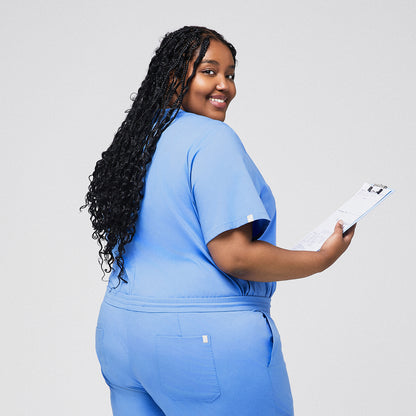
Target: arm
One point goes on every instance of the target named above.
(235, 254)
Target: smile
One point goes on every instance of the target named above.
(217, 100)
(218, 103)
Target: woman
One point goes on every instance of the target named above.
(188, 222)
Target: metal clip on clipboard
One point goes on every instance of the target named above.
(377, 188)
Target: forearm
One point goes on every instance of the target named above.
(264, 262)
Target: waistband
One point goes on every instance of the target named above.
(188, 304)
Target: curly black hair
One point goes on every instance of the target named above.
(116, 186)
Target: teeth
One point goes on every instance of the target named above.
(218, 100)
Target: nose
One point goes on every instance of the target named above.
(222, 83)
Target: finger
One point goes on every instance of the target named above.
(350, 230)
(338, 227)
(349, 234)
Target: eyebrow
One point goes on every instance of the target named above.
(214, 62)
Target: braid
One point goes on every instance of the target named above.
(116, 186)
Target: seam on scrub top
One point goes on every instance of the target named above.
(179, 324)
(196, 145)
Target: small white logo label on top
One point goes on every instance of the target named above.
(204, 339)
(250, 218)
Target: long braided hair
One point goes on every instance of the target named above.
(116, 186)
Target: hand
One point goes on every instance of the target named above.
(336, 244)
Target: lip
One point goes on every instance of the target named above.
(217, 104)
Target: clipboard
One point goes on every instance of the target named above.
(352, 211)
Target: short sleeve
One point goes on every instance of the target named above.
(226, 185)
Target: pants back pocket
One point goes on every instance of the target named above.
(186, 367)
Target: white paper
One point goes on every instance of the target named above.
(350, 212)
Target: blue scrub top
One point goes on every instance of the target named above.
(200, 183)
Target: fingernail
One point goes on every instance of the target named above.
(341, 222)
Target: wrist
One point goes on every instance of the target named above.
(324, 260)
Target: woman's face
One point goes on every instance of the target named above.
(212, 88)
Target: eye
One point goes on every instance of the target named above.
(208, 71)
(232, 76)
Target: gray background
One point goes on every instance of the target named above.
(325, 101)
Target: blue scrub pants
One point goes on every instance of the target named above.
(192, 356)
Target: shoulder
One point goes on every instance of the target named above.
(210, 133)
(201, 122)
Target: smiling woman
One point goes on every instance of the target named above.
(213, 87)
(187, 226)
